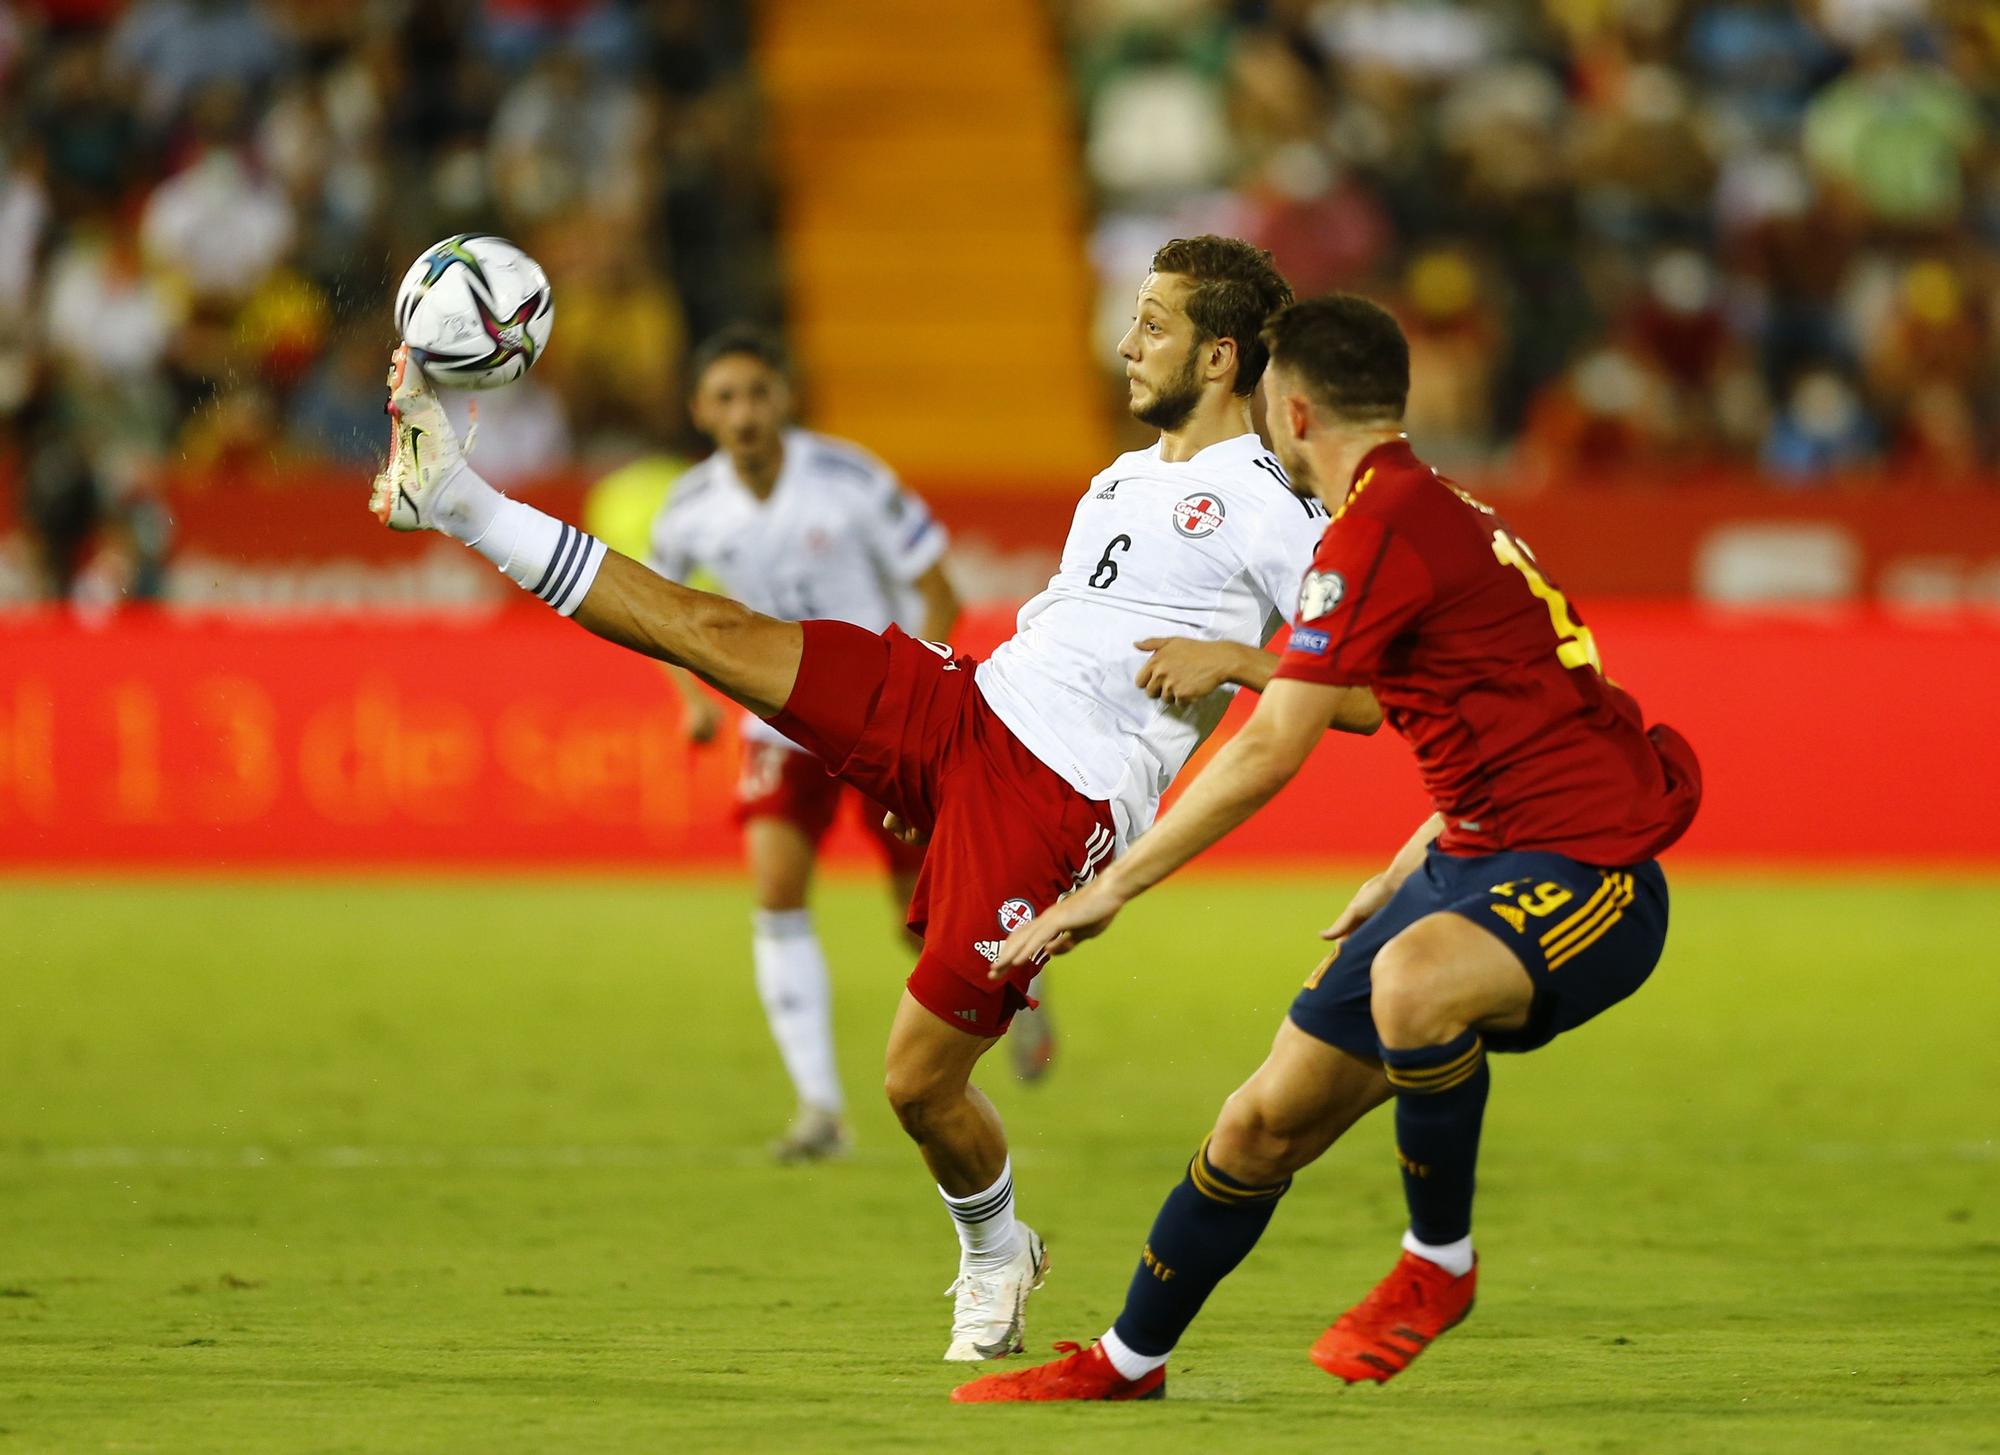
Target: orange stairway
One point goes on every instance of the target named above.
(932, 229)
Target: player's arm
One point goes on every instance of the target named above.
(701, 719)
(1291, 716)
(941, 603)
(1185, 669)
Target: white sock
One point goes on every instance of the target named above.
(1127, 1360)
(988, 1234)
(1453, 1258)
(798, 1001)
(549, 557)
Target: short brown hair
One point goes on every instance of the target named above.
(1347, 351)
(1236, 288)
(732, 339)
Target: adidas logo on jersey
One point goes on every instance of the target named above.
(989, 948)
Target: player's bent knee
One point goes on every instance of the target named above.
(916, 1094)
(1406, 996)
(1258, 1143)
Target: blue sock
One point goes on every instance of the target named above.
(1205, 1228)
(1440, 1102)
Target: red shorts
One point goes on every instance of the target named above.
(903, 722)
(780, 782)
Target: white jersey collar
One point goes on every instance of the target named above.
(795, 442)
(1243, 446)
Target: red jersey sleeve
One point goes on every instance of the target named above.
(1364, 587)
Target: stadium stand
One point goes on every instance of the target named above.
(1701, 244)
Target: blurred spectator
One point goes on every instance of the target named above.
(1449, 320)
(622, 334)
(1608, 414)
(1643, 164)
(337, 413)
(86, 126)
(518, 32)
(1927, 360)
(174, 48)
(1159, 125)
(1893, 138)
(564, 138)
(1760, 60)
(1821, 429)
(24, 223)
(98, 426)
(220, 225)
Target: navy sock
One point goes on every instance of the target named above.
(1205, 1228)
(1440, 1102)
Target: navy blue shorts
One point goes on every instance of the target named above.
(1589, 937)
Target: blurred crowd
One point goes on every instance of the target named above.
(1623, 235)
(205, 206)
(1655, 235)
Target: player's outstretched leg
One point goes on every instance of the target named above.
(1001, 1259)
(1300, 1100)
(1432, 984)
(426, 485)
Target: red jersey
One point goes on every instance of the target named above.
(1421, 593)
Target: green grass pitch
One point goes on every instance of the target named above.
(474, 1166)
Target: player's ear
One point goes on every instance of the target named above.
(1298, 415)
(1222, 358)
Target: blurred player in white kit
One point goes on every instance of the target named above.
(796, 524)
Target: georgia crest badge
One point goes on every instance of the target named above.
(1196, 516)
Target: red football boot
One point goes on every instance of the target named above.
(1380, 1335)
(1081, 1374)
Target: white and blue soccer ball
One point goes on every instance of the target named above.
(476, 311)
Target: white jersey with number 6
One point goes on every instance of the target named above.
(1213, 547)
(838, 537)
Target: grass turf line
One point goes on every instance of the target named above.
(372, 1167)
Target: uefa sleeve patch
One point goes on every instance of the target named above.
(1311, 643)
(1319, 593)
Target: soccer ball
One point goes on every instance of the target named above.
(476, 311)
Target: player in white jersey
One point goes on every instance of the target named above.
(1023, 773)
(795, 524)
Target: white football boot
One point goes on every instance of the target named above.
(989, 1315)
(815, 1135)
(411, 491)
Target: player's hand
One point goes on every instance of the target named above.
(1183, 670)
(897, 827)
(1369, 898)
(702, 721)
(1058, 929)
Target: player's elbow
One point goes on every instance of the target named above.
(1358, 713)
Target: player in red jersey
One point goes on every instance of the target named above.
(1530, 901)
